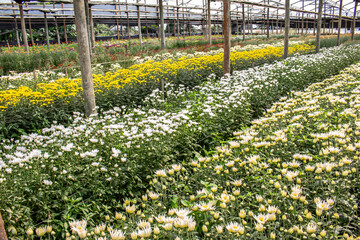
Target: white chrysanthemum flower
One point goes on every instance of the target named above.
(117, 235)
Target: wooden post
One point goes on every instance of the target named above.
(47, 31)
(64, 24)
(17, 32)
(339, 24)
(268, 22)
(287, 28)
(315, 18)
(56, 27)
(209, 21)
(318, 31)
(139, 22)
(23, 28)
(277, 19)
(30, 28)
(244, 23)
(84, 56)
(162, 30)
(302, 18)
(354, 21)
(324, 14)
(117, 22)
(177, 20)
(128, 23)
(227, 35)
(2, 229)
(91, 23)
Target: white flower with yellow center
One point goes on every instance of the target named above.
(161, 173)
(117, 235)
(182, 212)
(261, 218)
(143, 224)
(235, 227)
(176, 167)
(311, 228)
(153, 196)
(296, 191)
(204, 206)
(130, 209)
(225, 198)
(144, 233)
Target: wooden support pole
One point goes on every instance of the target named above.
(183, 18)
(31, 33)
(117, 23)
(302, 18)
(244, 20)
(84, 56)
(227, 35)
(56, 27)
(47, 31)
(90, 22)
(267, 21)
(177, 19)
(287, 28)
(64, 24)
(2, 229)
(23, 28)
(139, 22)
(354, 21)
(17, 32)
(162, 30)
(339, 24)
(209, 21)
(324, 22)
(277, 20)
(318, 31)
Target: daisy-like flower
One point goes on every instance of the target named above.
(311, 228)
(237, 183)
(182, 212)
(144, 233)
(290, 175)
(153, 196)
(235, 227)
(130, 209)
(259, 198)
(161, 173)
(272, 209)
(261, 218)
(225, 198)
(160, 218)
(40, 231)
(204, 206)
(176, 167)
(296, 191)
(117, 235)
(143, 224)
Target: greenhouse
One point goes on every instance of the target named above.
(179, 119)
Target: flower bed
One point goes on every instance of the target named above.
(87, 167)
(25, 109)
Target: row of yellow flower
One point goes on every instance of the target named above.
(65, 89)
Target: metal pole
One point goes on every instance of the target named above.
(287, 27)
(353, 21)
(84, 56)
(318, 31)
(227, 35)
(23, 29)
(339, 24)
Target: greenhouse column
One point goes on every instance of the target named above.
(209, 20)
(227, 35)
(162, 30)
(23, 29)
(354, 21)
(91, 23)
(287, 28)
(244, 23)
(2, 229)
(268, 21)
(46, 31)
(339, 24)
(318, 30)
(139, 22)
(84, 56)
